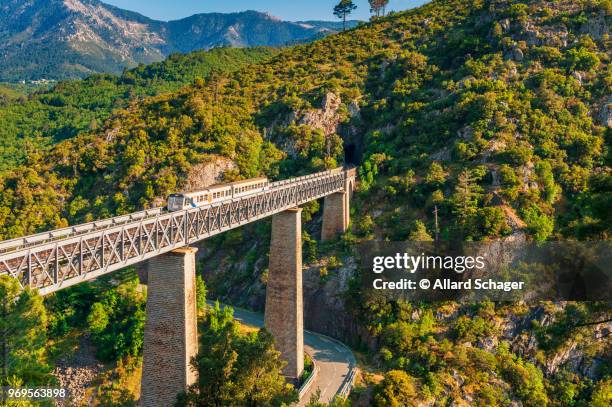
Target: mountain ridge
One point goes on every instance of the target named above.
(66, 39)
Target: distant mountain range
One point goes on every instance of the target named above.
(59, 39)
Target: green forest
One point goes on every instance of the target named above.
(493, 113)
(35, 120)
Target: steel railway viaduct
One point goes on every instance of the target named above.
(58, 259)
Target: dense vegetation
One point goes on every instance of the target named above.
(236, 369)
(29, 123)
(22, 336)
(510, 117)
(488, 111)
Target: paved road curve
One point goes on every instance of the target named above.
(335, 360)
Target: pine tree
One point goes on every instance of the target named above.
(200, 293)
(378, 7)
(23, 322)
(343, 9)
(420, 234)
(215, 361)
(259, 379)
(465, 200)
(397, 389)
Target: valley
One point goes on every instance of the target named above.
(469, 121)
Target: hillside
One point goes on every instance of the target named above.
(61, 39)
(47, 117)
(496, 112)
(517, 100)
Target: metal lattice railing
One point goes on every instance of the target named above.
(55, 260)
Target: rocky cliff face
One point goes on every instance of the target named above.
(325, 119)
(325, 311)
(58, 39)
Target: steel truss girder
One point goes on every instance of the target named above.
(65, 261)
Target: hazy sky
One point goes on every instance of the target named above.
(291, 10)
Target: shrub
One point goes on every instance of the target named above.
(540, 224)
(581, 59)
(365, 225)
(492, 222)
(471, 329)
(518, 11)
(397, 389)
(526, 379)
(436, 176)
(116, 322)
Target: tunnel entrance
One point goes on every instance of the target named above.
(350, 155)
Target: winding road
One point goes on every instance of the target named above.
(335, 361)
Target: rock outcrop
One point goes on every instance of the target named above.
(208, 173)
(605, 115)
(327, 118)
(77, 373)
(596, 26)
(324, 305)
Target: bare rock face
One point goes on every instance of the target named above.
(605, 115)
(578, 76)
(466, 133)
(489, 344)
(505, 24)
(514, 53)
(517, 55)
(597, 26)
(444, 154)
(210, 173)
(556, 36)
(531, 35)
(561, 357)
(354, 109)
(77, 373)
(324, 305)
(326, 118)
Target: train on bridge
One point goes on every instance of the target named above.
(53, 260)
(238, 189)
(180, 202)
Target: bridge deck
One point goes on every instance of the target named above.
(58, 259)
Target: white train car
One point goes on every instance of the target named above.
(180, 202)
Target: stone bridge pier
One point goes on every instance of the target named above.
(171, 330)
(336, 212)
(284, 316)
(171, 338)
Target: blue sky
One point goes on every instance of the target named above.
(291, 10)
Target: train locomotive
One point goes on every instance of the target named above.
(180, 202)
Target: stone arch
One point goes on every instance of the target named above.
(351, 187)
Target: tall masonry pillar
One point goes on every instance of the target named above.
(284, 316)
(171, 333)
(336, 216)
